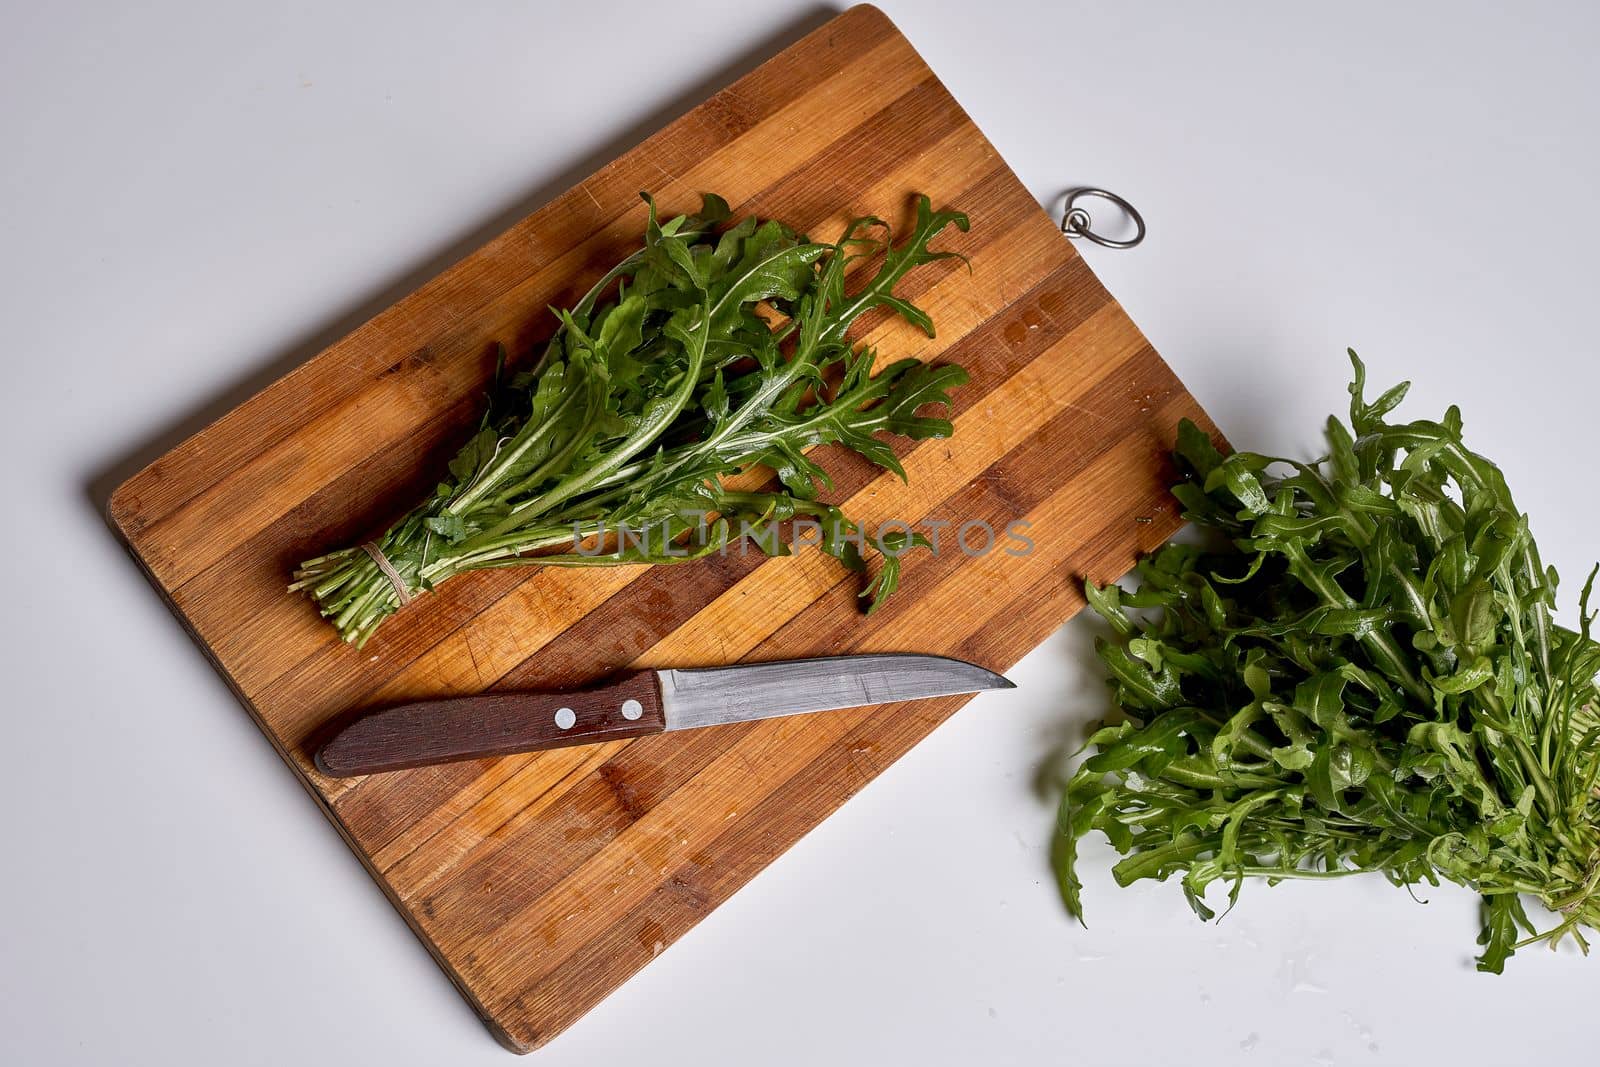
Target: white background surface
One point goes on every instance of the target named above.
(195, 197)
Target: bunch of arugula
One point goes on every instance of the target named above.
(1366, 678)
(699, 356)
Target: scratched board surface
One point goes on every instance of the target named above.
(541, 882)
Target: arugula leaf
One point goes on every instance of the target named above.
(702, 355)
(1366, 677)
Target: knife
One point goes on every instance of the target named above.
(636, 704)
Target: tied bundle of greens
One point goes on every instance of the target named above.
(1366, 678)
(700, 356)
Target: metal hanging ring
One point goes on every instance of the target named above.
(1075, 220)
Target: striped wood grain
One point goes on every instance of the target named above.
(542, 882)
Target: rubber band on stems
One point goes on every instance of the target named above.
(389, 572)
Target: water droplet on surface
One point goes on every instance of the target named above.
(652, 935)
(1296, 974)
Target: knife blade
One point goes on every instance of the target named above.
(636, 704)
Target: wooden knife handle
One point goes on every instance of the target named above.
(494, 724)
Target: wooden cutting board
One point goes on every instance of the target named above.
(542, 882)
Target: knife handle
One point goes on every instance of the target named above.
(494, 724)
